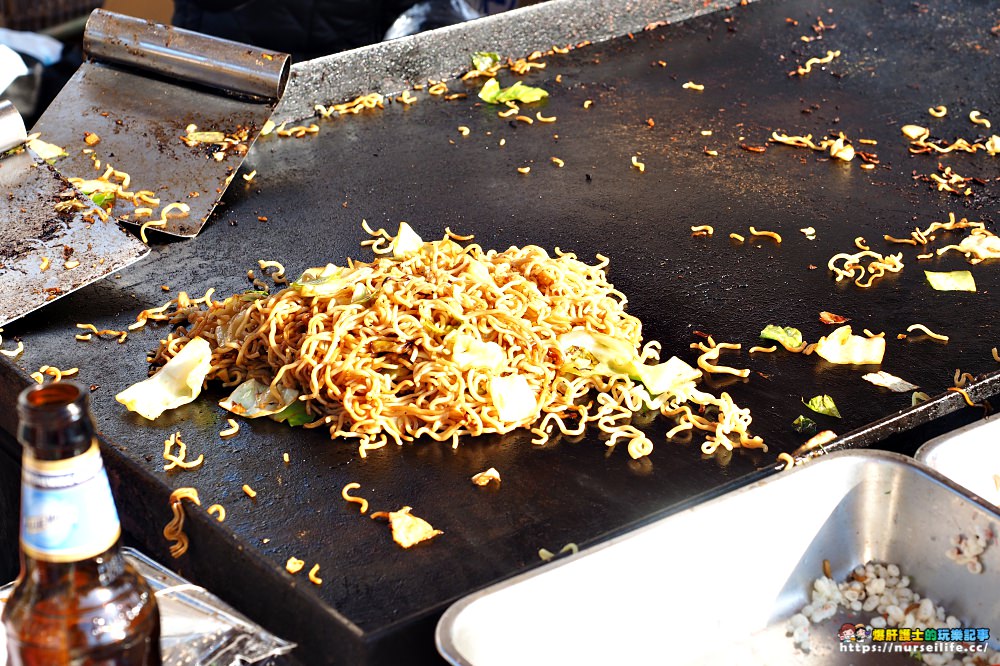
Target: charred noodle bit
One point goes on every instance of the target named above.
(218, 511)
(400, 348)
(314, 575)
(769, 234)
(355, 500)
(179, 459)
(952, 182)
(294, 565)
(787, 459)
(807, 68)
(930, 333)
(174, 530)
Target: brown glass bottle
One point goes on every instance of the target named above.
(76, 601)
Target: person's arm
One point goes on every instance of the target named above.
(217, 5)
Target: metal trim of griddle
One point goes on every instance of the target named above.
(389, 67)
(352, 73)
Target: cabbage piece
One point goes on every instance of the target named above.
(206, 137)
(492, 93)
(468, 352)
(981, 247)
(102, 198)
(332, 281)
(406, 243)
(89, 187)
(484, 59)
(891, 382)
(804, 425)
(951, 280)
(789, 338)
(254, 399)
(668, 377)
(513, 398)
(823, 404)
(177, 383)
(842, 347)
(589, 353)
(408, 529)
(49, 152)
(294, 415)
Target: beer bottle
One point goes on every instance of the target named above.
(76, 600)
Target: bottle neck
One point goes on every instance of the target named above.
(55, 421)
(102, 569)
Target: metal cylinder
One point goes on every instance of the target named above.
(175, 53)
(11, 127)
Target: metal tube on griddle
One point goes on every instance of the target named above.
(183, 54)
(11, 127)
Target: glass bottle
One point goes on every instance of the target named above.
(76, 600)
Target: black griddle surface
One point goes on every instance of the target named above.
(411, 163)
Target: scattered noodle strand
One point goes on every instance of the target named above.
(355, 500)
(927, 331)
(174, 530)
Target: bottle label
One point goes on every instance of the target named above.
(67, 511)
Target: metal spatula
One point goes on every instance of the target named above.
(171, 112)
(53, 240)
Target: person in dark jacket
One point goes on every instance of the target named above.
(311, 28)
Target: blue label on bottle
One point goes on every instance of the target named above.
(67, 511)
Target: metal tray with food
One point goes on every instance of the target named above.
(659, 595)
(968, 456)
(638, 171)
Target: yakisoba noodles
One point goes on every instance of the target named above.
(442, 340)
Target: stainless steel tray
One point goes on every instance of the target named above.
(716, 583)
(969, 456)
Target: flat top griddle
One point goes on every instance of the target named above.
(410, 163)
